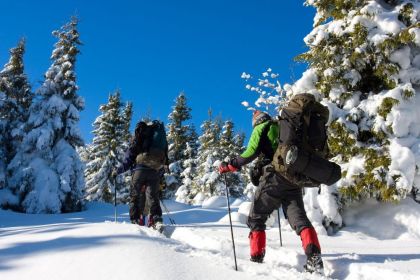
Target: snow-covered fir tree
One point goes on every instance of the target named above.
(183, 193)
(178, 137)
(364, 64)
(3, 122)
(14, 107)
(111, 132)
(364, 60)
(230, 146)
(125, 180)
(177, 130)
(47, 174)
(207, 181)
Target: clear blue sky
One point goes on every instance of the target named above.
(152, 50)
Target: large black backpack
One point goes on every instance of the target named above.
(301, 154)
(152, 144)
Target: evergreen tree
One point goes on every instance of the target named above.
(177, 132)
(183, 193)
(178, 137)
(364, 60)
(207, 182)
(107, 150)
(3, 122)
(127, 115)
(47, 174)
(230, 146)
(123, 194)
(14, 107)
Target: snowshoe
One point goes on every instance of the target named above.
(314, 264)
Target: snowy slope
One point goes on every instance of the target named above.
(380, 242)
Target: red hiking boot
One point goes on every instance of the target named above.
(257, 245)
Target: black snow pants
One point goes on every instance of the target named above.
(145, 185)
(274, 190)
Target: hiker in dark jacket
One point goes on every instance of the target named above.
(273, 191)
(146, 164)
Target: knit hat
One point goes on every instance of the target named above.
(259, 117)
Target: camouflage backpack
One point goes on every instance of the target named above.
(301, 154)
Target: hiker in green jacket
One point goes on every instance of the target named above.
(273, 191)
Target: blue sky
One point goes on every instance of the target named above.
(152, 50)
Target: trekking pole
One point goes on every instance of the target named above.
(168, 213)
(230, 221)
(278, 216)
(115, 199)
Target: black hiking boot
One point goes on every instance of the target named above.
(314, 264)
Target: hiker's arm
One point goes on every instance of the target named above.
(129, 159)
(252, 150)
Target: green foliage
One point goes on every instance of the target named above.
(408, 93)
(177, 131)
(337, 9)
(373, 182)
(406, 13)
(111, 132)
(341, 141)
(346, 52)
(386, 106)
(14, 109)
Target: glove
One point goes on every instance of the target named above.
(226, 167)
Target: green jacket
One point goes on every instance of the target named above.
(264, 140)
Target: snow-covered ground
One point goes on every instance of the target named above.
(379, 242)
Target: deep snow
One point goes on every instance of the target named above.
(379, 242)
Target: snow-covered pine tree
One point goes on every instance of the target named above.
(207, 182)
(14, 107)
(124, 189)
(47, 174)
(364, 59)
(107, 149)
(230, 146)
(177, 132)
(178, 136)
(3, 122)
(183, 193)
(127, 115)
